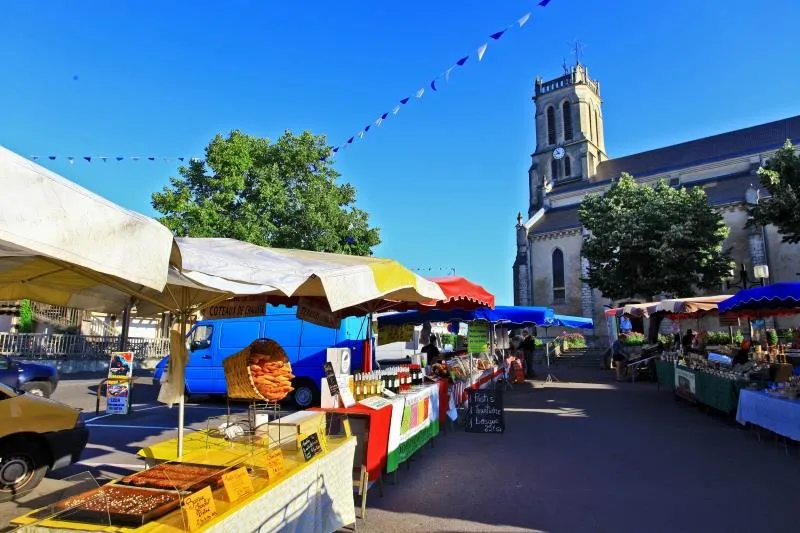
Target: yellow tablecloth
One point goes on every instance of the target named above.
(316, 496)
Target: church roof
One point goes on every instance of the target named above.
(721, 190)
(735, 143)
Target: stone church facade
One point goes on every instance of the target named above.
(570, 160)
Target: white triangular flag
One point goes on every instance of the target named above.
(481, 51)
(379, 122)
(420, 92)
(447, 73)
(524, 19)
(396, 110)
(360, 134)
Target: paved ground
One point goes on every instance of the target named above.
(589, 455)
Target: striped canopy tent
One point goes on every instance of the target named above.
(685, 308)
(459, 293)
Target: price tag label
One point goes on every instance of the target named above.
(310, 446)
(200, 508)
(274, 464)
(237, 484)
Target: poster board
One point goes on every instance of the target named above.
(478, 337)
(120, 383)
(485, 412)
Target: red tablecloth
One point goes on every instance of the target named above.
(378, 428)
(444, 400)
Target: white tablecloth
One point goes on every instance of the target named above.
(317, 499)
(778, 415)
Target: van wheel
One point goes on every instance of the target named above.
(22, 467)
(38, 388)
(305, 394)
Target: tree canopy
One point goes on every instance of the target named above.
(282, 194)
(645, 240)
(780, 175)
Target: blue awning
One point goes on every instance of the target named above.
(762, 300)
(573, 321)
(515, 315)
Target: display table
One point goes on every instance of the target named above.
(377, 444)
(665, 371)
(310, 496)
(717, 392)
(778, 415)
(415, 421)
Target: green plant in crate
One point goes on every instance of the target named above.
(772, 337)
(738, 338)
(574, 340)
(666, 340)
(718, 338)
(633, 338)
(785, 336)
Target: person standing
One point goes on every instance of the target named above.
(431, 352)
(528, 345)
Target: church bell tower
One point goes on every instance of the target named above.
(569, 133)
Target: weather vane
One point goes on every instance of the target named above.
(577, 49)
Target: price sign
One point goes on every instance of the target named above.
(330, 377)
(485, 411)
(237, 484)
(274, 464)
(200, 508)
(310, 446)
(478, 337)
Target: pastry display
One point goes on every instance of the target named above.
(118, 505)
(176, 476)
(272, 375)
(259, 372)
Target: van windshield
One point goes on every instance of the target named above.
(201, 336)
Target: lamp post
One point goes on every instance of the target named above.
(761, 273)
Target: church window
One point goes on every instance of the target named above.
(591, 163)
(559, 291)
(596, 127)
(554, 169)
(567, 116)
(551, 125)
(567, 167)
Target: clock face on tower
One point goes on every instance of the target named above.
(559, 153)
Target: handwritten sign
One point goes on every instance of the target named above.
(478, 337)
(330, 376)
(275, 464)
(237, 484)
(200, 508)
(485, 411)
(310, 446)
(242, 306)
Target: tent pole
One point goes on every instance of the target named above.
(126, 324)
(182, 384)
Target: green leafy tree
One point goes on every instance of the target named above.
(781, 177)
(645, 240)
(282, 194)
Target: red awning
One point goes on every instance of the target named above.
(461, 293)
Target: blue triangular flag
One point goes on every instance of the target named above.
(104, 159)
(120, 158)
(433, 85)
(181, 159)
(544, 3)
(151, 158)
(350, 140)
(461, 61)
(35, 157)
(88, 158)
(335, 150)
(51, 157)
(405, 100)
(366, 128)
(497, 35)
(384, 116)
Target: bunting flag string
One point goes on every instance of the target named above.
(120, 158)
(435, 83)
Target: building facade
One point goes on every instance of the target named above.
(570, 161)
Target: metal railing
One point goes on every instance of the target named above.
(56, 346)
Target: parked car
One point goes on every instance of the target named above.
(306, 344)
(36, 435)
(39, 380)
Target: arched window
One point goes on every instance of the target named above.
(567, 167)
(559, 291)
(551, 125)
(554, 169)
(566, 114)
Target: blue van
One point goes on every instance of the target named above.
(306, 344)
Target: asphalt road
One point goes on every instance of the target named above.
(584, 455)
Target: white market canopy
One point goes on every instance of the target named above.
(64, 245)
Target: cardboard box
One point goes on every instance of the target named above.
(284, 431)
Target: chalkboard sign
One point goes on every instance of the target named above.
(311, 446)
(330, 377)
(485, 411)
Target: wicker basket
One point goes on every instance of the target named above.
(269, 383)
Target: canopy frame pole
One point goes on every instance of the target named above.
(182, 384)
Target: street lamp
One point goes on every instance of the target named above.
(761, 272)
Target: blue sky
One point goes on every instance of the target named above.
(446, 177)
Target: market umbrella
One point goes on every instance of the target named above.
(769, 300)
(689, 307)
(513, 315)
(459, 292)
(573, 322)
(61, 244)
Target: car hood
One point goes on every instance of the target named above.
(29, 413)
